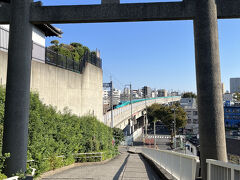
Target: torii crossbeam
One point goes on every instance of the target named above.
(22, 14)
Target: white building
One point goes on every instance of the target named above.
(126, 91)
(135, 94)
(39, 34)
(190, 107)
(234, 85)
(106, 99)
(116, 97)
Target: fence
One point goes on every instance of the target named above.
(218, 170)
(180, 166)
(65, 62)
(89, 156)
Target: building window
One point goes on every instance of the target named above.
(189, 121)
(195, 113)
(195, 121)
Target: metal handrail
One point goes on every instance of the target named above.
(219, 170)
(180, 166)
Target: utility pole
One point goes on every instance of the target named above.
(131, 119)
(111, 93)
(131, 106)
(110, 85)
(154, 127)
(146, 119)
(174, 129)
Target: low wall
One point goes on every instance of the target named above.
(81, 93)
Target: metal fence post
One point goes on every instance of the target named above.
(209, 171)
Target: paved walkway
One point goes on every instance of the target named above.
(124, 167)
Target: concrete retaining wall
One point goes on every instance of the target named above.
(81, 93)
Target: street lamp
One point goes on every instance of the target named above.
(155, 143)
(174, 126)
(131, 119)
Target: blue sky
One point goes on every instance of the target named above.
(157, 54)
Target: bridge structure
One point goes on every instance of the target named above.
(123, 116)
(22, 15)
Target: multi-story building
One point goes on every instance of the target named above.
(135, 94)
(234, 85)
(147, 92)
(223, 88)
(116, 97)
(107, 99)
(126, 91)
(162, 93)
(174, 93)
(190, 107)
(154, 93)
(140, 93)
(232, 115)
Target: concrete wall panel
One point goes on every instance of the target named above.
(81, 93)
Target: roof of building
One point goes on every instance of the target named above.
(49, 30)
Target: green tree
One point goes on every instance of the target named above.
(165, 114)
(189, 95)
(73, 50)
(55, 42)
(118, 135)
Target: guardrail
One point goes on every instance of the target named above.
(180, 166)
(87, 156)
(218, 170)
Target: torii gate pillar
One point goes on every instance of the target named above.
(15, 137)
(210, 104)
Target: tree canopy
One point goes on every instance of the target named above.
(189, 95)
(73, 50)
(165, 114)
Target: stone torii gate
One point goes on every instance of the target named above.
(22, 14)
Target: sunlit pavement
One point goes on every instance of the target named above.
(125, 167)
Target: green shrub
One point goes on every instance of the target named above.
(118, 135)
(54, 137)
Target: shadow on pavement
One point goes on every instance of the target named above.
(117, 175)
